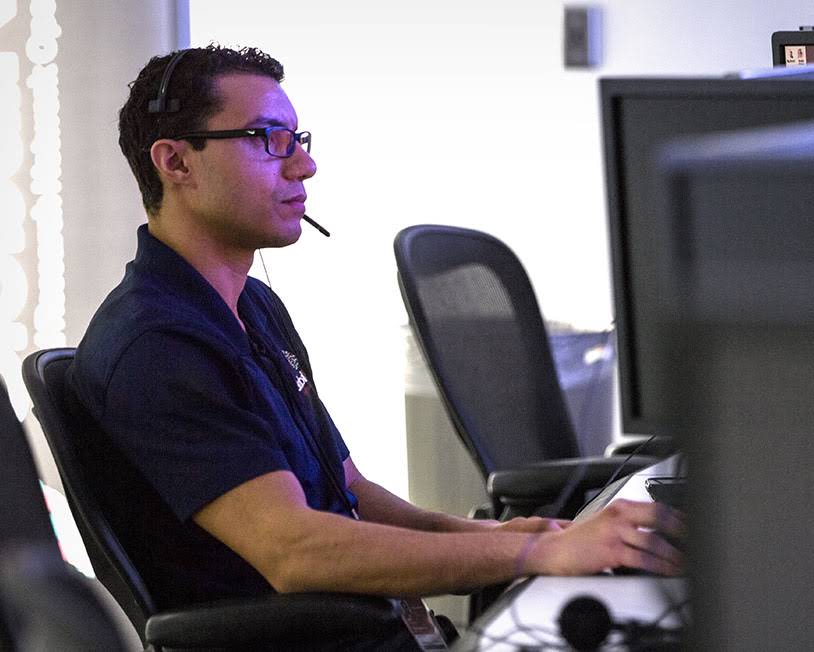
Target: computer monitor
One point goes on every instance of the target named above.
(736, 268)
(640, 115)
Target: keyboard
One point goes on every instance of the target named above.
(671, 491)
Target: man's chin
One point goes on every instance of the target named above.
(279, 240)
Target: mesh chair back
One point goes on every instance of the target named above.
(477, 321)
(81, 454)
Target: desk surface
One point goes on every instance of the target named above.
(526, 615)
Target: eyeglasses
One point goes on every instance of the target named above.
(280, 142)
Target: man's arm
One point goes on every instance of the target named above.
(268, 522)
(378, 505)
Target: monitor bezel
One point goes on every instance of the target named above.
(781, 39)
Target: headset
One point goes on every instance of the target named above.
(160, 104)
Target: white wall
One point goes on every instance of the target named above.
(459, 112)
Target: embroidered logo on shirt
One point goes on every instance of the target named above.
(300, 378)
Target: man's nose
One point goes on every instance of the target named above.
(300, 165)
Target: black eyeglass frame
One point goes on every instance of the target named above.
(301, 137)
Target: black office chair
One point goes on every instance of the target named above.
(44, 603)
(477, 321)
(291, 621)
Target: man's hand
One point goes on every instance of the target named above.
(532, 524)
(625, 533)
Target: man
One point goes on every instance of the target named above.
(196, 374)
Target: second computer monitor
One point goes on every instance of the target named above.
(737, 343)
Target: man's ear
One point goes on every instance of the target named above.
(168, 157)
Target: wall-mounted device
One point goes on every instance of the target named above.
(793, 48)
(582, 36)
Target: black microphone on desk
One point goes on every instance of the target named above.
(585, 624)
(317, 226)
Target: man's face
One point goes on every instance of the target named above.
(243, 197)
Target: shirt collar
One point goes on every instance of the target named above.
(156, 259)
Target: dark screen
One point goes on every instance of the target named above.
(639, 117)
(738, 337)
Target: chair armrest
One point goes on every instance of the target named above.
(541, 483)
(660, 446)
(275, 619)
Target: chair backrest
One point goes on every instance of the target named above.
(23, 516)
(80, 452)
(478, 323)
(45, 605)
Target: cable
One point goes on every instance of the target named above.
(618, 470)
(265, 269)
(536, 632)
(672, 607)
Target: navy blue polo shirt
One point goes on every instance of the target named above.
(189, 406)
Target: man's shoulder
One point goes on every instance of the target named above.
(149, 315)
(135, 308)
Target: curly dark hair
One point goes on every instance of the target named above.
(191, 83)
